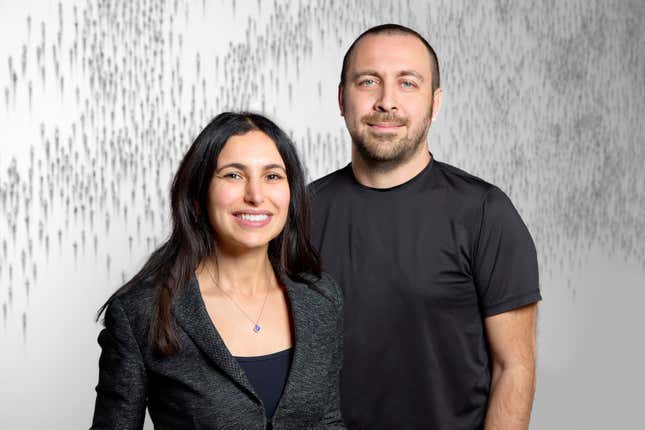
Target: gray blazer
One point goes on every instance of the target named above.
(203, 386)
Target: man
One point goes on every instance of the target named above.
(438, 270)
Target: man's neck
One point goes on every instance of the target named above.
(385, 176)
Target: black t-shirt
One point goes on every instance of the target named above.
(421, 265)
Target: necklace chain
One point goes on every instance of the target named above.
(256, 322)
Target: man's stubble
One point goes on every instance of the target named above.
(384, 151)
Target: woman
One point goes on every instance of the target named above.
(229, 324)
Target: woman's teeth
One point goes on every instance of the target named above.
(249, 217)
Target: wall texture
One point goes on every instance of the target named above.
(99, 99)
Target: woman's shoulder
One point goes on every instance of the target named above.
(325, 286)
(136, 302)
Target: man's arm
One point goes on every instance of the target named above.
(511, 338)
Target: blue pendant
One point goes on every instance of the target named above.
(257, 328)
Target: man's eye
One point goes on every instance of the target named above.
(408, 84)
(367, 83)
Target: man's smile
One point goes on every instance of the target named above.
(385, 126)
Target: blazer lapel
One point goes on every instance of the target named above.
(305, 341)
(190, 313)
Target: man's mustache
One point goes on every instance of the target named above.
(384, 118)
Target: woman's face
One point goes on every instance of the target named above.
(249, 194)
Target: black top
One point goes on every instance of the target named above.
(421, 265)
(268, 374)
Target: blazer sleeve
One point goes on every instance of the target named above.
(121, 390)
(333, 418)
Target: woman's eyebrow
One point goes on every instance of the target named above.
(234, 165)
(244, 166)
(274, 166)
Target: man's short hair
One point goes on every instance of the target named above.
(394, 29)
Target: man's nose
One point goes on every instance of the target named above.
(386, 101)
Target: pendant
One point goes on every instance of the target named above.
(256, 328)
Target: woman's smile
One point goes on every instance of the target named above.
(253, 218)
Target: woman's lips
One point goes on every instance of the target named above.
(253, 219)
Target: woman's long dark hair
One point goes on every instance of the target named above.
(172, 265)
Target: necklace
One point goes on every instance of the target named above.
(256, 323)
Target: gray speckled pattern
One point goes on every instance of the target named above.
(98, 101)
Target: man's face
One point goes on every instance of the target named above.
(387, 97)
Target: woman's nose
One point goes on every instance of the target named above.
(254, 194)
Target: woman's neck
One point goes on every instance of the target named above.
(242, 274)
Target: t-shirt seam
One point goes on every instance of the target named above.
(400, 188)
(481, 228)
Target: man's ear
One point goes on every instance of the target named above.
(436, 102)
(340, 100)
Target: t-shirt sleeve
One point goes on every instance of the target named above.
(505, 260)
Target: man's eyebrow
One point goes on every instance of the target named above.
(367, 72)
(244, 166)
(370, 72)
(410, 73)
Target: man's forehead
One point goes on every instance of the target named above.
(390, 50)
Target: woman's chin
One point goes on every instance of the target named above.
(246, 244)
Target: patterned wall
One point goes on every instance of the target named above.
(101, 98)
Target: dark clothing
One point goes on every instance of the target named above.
(268, 374)
(203, 386)
(421, 265)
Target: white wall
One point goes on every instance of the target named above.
(542, 98)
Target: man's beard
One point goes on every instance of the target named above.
(385, 151)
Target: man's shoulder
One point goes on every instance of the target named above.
(465, 186)
(458, 177)
(476, 194)
(469, 194)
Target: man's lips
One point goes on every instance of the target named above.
(384, 126)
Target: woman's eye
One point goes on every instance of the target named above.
(274, 176)
(233, 175)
